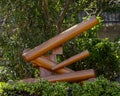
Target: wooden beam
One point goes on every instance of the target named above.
(72, 77)
(48, 64)
(71, 60)
(60, 39)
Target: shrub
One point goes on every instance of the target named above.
(42, 88)
(101, 87)
(104, 54)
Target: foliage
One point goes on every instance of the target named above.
(41, 88)
(100, 87)
(104, 54)
(28, 23)
(1, 85)
(114, 8)
(25, 24)
(96, 7)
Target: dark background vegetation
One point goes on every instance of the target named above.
(28, 23)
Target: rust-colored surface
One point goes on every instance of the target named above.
(44, 72)
(48, 64)
(60, 39)
(71, 60)
(29, 80)
(72, 77)
(58, 50)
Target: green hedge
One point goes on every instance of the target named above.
(101, 87)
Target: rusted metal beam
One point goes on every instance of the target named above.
(60, 39)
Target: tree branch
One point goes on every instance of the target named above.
(62, 15)
(45, 8)
(46, 17)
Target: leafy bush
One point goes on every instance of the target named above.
(42, 88)
(104, 54)
(101, 87)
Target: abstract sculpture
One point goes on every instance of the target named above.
(38, 56)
